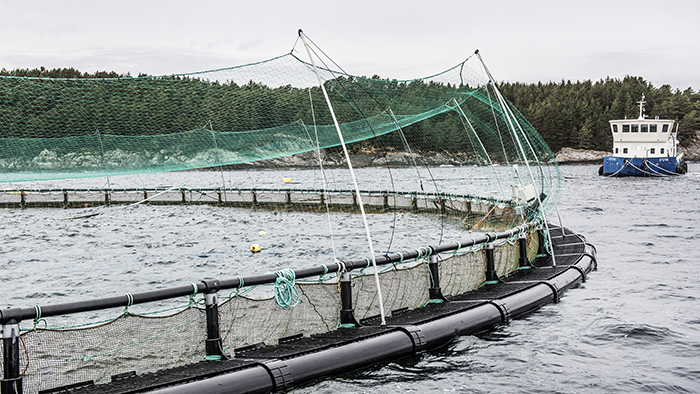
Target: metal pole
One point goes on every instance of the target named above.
(347, 314)
(11, 382)
(491, 274)
(434, 291)
(213, 342)
(522, 245)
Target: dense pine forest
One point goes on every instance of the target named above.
(576, 114)
(566, 114)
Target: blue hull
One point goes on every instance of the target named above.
(639, 166)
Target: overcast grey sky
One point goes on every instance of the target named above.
(525, 41)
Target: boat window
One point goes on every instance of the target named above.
(635, 128)
(662, 151)
(614, 128)
(625, 128)
(645, 128)
(617, 150)
(624, 150)
(652, 150)
(665, 129)
(652, 128)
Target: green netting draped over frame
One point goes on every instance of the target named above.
(270, 115)
(68, 128)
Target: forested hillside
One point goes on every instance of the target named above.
(566, 114)
(576, 115)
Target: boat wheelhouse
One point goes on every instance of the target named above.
(643, 147)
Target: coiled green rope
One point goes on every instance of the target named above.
(286, 294)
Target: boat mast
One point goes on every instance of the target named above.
(352, 174)
(641, 107)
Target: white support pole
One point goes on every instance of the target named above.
(352, 174)
(504, 106)
(495, 174)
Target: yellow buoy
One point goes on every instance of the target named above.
(287, 180)
(262, 233)
(255, 248)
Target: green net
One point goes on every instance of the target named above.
(68, 128)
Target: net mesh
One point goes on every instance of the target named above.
(63, 128)
(438, 158)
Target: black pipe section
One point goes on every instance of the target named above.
(434, 291)
(491, 274)
(522, 247)
(213, 345)
(279, 375)
(20, 314)
(11, 382)
(347, 312)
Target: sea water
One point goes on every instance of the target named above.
(634, 326)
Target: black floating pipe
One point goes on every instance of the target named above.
(11, 382)
(522, 246)
(304, 369)
(20, 314)
(268, 376)
(281, 375)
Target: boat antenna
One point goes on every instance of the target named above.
(641, 107)
(352, 175)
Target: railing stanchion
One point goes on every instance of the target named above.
(542, 247)
(522, 245)
(491, 274)
(434, 291)
(214, 347)
(11, 382)
(347, 313)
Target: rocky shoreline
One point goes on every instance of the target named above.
(691, 152)
(565, 156)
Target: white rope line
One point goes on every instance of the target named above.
(464, 117)
(618, 171)
(661, 168)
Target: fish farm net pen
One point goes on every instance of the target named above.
(340, 165)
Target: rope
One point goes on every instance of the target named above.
(37, 318)
(130, 302)
(193, 301)
(620, 170)
(661, 168)
(484, 218)
(286, 294)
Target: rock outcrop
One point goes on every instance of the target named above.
(580, 156)
(691, 151)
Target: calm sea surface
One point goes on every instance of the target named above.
(634, 326)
